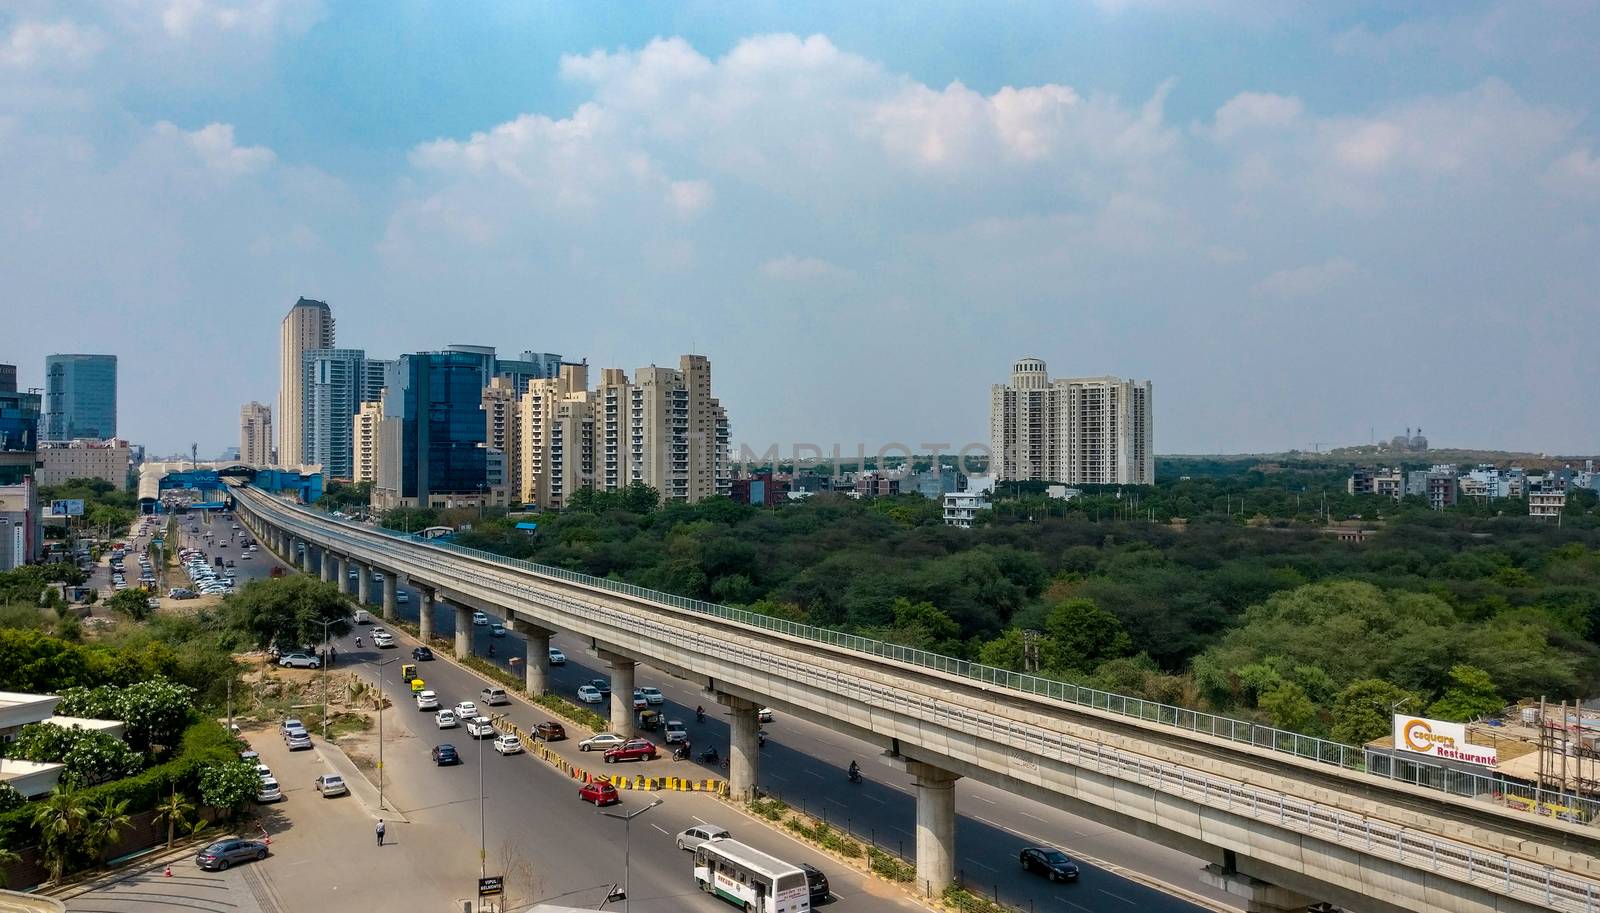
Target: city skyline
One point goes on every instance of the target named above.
(1301, 224)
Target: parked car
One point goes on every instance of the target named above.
(632, 750)
(466, 710)
(331, 785)
(427, 700)
(421, 654)
(557, 658)
(549, 731)
(692, 838)
(479, 727)
(480, 619)
(589, 694)
(653, 696)
(445, 719)
(445, 754)
(601, 741)
(599, 792)
(299, 661)
(676, 732)
(223, 853)
(1051, 863)
(268, 791)
(508, 744)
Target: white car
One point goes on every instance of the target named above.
(589, 694)
(601, 741)
(478, 618)
(427, 700)
(764, 714)
(557, 658)
(383, 639)
(652, 696)
(479, 727)
(268, 791)
(508, 744)
(444, 719)
(676, 732)
(692, 838)
(401, 596)
(466, 710)
(331, 785)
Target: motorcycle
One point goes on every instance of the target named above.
(710, 756)
(681, 753)
(358, 642)
(761, 738)
(854, 773)
(699, 714)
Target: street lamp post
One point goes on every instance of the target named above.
(483, 827)
(627, 843)
(381, 699)
(325, 658)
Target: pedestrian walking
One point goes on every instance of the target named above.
(380, 832)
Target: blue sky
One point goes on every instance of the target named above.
(1300, 221)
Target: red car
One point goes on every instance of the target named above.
(632, 750)
(599, 792)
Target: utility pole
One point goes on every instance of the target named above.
(627, 845)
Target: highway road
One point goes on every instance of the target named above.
(804, 765)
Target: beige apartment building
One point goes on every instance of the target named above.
(663, 428)
(364, 442)
(1077, 431)
(502, 414)
(255, 434)
(63, 461)
(307, 326)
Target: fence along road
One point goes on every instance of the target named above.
(964, 728)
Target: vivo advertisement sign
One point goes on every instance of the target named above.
(1441, 740)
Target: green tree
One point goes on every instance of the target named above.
(134, 603)
(88, 757)
(8, 857)
(1289, 707)
(1470, 695)
(1005, 652)
(10, 798)
(1081, 636)
(290, 609)
(108, 821)
(174, 812)
(156, 710)
(229, 785)
(1364, 710)
(61, 820)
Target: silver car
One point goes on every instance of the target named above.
(692, 838)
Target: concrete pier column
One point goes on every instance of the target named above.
(936, 826)
(463, 631)
(425, 597)
(743, 747)
(304, 555)
(327, 565)
(1259, 896)
(363, 584)
(537, 669)
(622, 667)
(391, 589)
(341, 570)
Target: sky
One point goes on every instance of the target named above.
(1305, 223)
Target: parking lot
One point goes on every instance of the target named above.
(148, 889)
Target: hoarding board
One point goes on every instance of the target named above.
(1440, 739)
(68, 508)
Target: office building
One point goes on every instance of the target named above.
(60, 462)
(364, 442)
(529, 366)
(255, 434)
(1077, 431)
(678, 432)
(307, 326)
(21, 525)
(331, 385)
(432, 437)
(80, 393)
(19, 429)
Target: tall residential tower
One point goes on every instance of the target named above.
(308, 326)
(1078, 430)
(255, 434)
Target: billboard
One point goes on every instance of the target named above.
(71, 508)
(1440, 739)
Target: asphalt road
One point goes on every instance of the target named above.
(804, 764)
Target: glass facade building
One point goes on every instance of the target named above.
(80, 397)
(435, 434)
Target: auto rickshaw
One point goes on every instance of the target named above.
(408, 672)
(649, 720)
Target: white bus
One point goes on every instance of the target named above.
(750, 879)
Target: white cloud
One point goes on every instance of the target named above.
(214, 146)
(1305, 281)
(49, 44)
(690, 198)
(1576, 172)
(185, 19)
(790, 268)
(1249, 111)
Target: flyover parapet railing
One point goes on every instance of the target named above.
(1495, 872)
(1421, 773)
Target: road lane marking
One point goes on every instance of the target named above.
(700, 819)
(660, 828)
(837, 802)
(1036, 818)
(991, 802)
(778, 778)
(981, 865)
(814, 774)
(1117, 896)
(1075, 906)
(873, 798)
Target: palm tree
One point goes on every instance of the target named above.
(175, 811)
(7, 857)
(107, 823)
(60, 820)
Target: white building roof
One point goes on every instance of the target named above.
(17, 709)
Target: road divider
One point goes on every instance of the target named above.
(641, 783)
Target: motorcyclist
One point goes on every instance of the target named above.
(491, 649)
(699, 714)
(358, 640)
(855, 771)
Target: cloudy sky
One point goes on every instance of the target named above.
(1302, 221)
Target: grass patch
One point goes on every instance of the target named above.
(964, 900)
(889, 866)
(347, 724)
(770, 809)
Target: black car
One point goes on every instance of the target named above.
(422, 654)
(601, 685)
(224, 853)
(445, 754)
(1052, 864)
(817, 882)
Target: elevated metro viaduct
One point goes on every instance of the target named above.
(1279, 830)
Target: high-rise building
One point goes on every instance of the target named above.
(373, 376)
(364, 441)
(331, 385)
(432, 438)
(8, 378)
(255, 434)
(19, 432)
(613, 446)
(557, 449)
(1080, 430)
(307, 326)
(678, 432)
(80, 397)
(502, 419)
